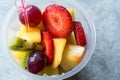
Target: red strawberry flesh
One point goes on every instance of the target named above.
(49, 46)
(57, 21)
(79, 33)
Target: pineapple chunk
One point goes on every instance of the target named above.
(71, 56)
(71, 39)
(71, 11)
(39, 26)
(33, 34)
(59, 45)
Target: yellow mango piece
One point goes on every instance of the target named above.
(59, 45)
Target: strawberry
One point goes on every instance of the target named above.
(49, 46)
(79, 33)
(57, 20)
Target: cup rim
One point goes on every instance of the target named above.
(62, 76)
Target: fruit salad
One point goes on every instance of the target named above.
(48, 42)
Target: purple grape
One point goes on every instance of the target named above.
(34, 15)
(36, 62)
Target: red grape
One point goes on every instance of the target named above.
(36, 62)
(34, 15)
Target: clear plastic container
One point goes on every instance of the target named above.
(11, 26)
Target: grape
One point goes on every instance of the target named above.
(34, 15)
(36, 62)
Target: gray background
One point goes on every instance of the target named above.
(105, 63)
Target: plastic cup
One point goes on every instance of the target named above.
(11, 26)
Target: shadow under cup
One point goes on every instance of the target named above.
(11, 26)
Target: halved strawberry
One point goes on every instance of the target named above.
(49, 46)
(79, 33)
(57, 20)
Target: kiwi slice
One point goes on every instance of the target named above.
(21, 57)
(25, 59)
(18, 44)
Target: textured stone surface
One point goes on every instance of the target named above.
(105, 63)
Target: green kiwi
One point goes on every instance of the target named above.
(25, 59)
(18, 44)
